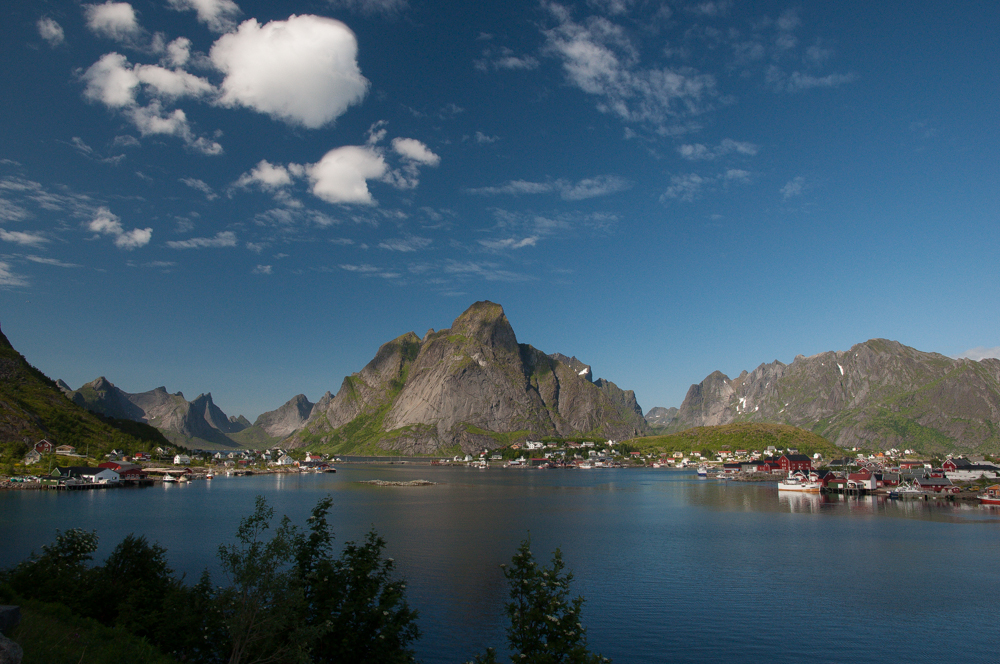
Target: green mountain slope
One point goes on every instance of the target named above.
(33, 407)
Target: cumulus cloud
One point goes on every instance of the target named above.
(114, 20)
(269, 176)
(106, 222)
(218, 15)
(601, 185)
(698, 151)
(303, 70)
(51, 31)
(262, 269)
(9, 279)
(114, 82)
(222, 239)
(414, 150)
(341, 175)
(22, 238)
(981, 353)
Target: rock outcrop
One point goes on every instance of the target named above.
(471, 386)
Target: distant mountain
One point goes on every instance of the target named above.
(878, 394)
(189, 423)
(469, 387)
(33, 406)
(660, 416)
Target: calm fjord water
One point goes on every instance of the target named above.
(674, 569)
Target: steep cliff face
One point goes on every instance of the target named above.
(472, 386)
(879, 393)
(287, 419)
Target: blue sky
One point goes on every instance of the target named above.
(248, 198)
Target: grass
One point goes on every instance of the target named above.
(52, 634)
(744, 436)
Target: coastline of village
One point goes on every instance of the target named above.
(892, 473)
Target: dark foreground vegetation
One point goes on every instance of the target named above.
(289, 599)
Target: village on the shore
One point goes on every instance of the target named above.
(893, 473)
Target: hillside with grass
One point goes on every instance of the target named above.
(32, 407)
(748, 436)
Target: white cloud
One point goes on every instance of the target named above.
(779, 81)
(509, 243)
(303, 70)
(51, 31)
(268, 176)
(22, 238)
(406, 244)
(482, 138)
(115, 83)
(600, 185)
(135, 238)
(179, 52)
(50, 261)
(222, 239)
(218, 15)
(698, 151)
(11, 211)
(262, 269)
(600, 59)
(414, 150)
(505, 59)
(793, 187)
(202, 186)
(685, 187)
(106, 222)
(737, 175)
(9, 279)
(341, 175)
(111, 81)
(981, 353)
(115, 20)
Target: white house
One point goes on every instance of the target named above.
(181, 460)
(286, 460)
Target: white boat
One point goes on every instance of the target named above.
(702, 471)
(586, 465)
(169, 478)
(209, 475)
(795, 484)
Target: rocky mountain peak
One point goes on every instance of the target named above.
(486, 323)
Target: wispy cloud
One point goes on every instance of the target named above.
(793, 188)
(222, 239)
(700, 152)
(22, 238)
(981, 353)
(51, 31)
(405, 244)
(202, 186)
(50, 261)
(10, 279)
(601, 185)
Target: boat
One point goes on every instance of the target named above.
(586, 465)
(170, 479)
(209, 475)
(796, 484)
(990, 495)
(702, 471)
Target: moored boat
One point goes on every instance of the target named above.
(802, 486)
(990, 495)
(702, 471)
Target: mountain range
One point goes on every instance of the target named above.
(469, 387)
(879, 394)
(474, 386)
